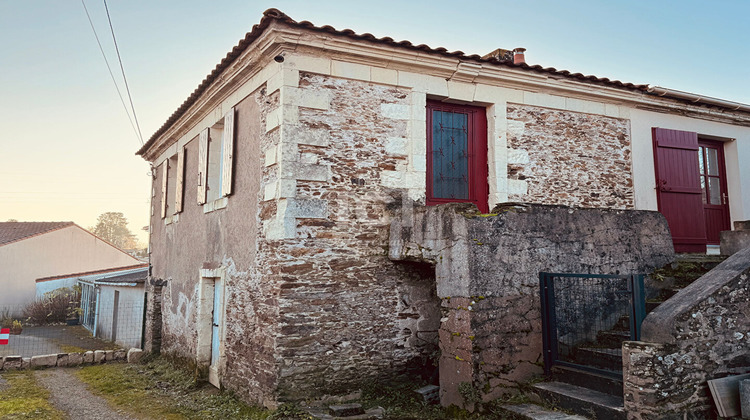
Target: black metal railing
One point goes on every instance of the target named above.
(586, 317)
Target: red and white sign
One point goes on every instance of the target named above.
(4, 335)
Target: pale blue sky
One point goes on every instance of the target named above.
(67, 148)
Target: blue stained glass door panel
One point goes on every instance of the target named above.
(450, 155)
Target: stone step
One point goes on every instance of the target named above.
(612, 338)
(583, 401)
(535, 412)
(608, 384)
(346, 410)
(651, 305)
(601, 358)
(323, 414)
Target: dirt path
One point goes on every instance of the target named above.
(70, 395)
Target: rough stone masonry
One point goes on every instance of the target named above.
(487, 273)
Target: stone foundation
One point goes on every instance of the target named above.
(8, 363)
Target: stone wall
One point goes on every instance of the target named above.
(197, 239)
(347, 314)
(153, 324)
(569, 158)
(701, 333)
(487, 273)
(737, 239)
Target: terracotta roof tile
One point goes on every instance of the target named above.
(272, 15)
(16, 231)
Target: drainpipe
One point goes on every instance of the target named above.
(697, 99)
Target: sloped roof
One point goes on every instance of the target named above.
(272, 15)
(16, 231)
(104, 272)
(138, 276)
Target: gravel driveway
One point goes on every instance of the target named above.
(71, 396)
(35, 341)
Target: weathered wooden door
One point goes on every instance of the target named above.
(678, 187)
(216, 327)
(714, 188)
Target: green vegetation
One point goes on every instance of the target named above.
(55, 307)
(23, 398)
(402, 402)
(158, 389)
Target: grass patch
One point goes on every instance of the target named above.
(159, 390)
(23, 398)
(402, 402)
(66, 348)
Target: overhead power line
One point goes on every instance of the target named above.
(137, 133)
(127, 89)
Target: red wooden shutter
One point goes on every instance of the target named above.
(227, 153)
(678, 188)
(202, 165)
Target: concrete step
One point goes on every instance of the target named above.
(535, 412)
(608, 384)
(602, 358)
(583, 401)
(612, 338)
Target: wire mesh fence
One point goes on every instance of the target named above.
(111, 322)
(587, 317)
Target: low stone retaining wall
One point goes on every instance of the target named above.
(701, 333)
(487, 277)
(70, 359)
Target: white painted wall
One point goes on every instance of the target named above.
(129, 314)
(736, 153)
(63, 251)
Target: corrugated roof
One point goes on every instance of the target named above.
(134, 277)
(93, 272)
(16, 231)
(272, 15)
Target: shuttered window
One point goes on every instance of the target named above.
(227, 154)
(216, 159)
(164, 177)
(179, 189)
(202, 166)
(456, 154)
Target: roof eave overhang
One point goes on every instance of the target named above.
(277, 37)
(246, 65)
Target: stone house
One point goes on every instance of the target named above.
(291, 249)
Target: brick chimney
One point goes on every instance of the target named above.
(500, 54)
(518, 57)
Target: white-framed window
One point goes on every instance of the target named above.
(215, 158)
(172, 186)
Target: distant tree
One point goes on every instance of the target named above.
(13, 220)
(113, 228)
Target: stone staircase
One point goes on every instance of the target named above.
(597, 394)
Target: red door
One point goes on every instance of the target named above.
(678, 187)
(714, 188)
